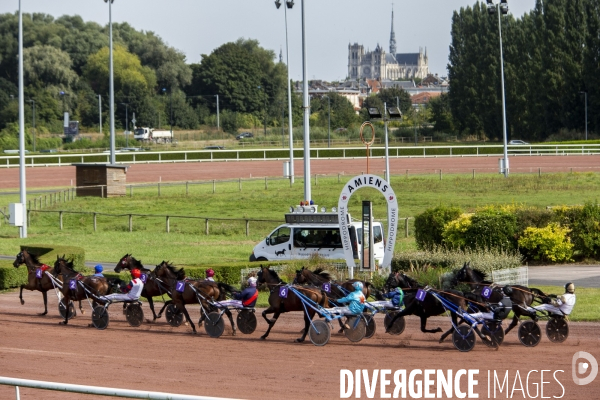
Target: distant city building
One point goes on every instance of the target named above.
(380, 65)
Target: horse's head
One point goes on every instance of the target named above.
(63, 266)
(20, 260)
(392, 281)
(166, 270)
(300, 276)
(124, 263)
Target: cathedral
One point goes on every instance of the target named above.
(380, 65)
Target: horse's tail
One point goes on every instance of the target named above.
(537, 292)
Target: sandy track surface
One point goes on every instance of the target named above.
(161, 358)
(139, 173)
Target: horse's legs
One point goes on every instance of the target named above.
(187, 318)
(21, 295)
(307, 319)
(81, 310)
(424, 326)
(515, 322)
(230, 320)
(272, 322)
(66, 321)
(163, 308)
(45, 296)
(151, 304)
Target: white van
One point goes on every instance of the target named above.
(307, 232)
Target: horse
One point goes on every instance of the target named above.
(429, 307)
(194, 292)
(521, 296)
(278, 305)
(96, 286)
(42, 284)
(152, 287)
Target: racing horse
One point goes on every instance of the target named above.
(278, 305)
(152, 286)
(42, 284)
(72, 290)
(318, 277)
(521, 296)
(194, 292)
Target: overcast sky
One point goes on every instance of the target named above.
(199, 26)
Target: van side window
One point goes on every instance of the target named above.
(317, 237)
(377, 234)
(281, 235)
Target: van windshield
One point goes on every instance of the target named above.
(281, 235)
(317, 237)
(377, 234)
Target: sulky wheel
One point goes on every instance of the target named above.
(494, 332)
(214, 324)
(100, 317)
(63, 310)
(463, 338)
(134, 314)
(557, 329)
(246, 321)
(529, 333)
(173, 315)
(319, 332)
(371, 325)
(357, 328)
(398, 326)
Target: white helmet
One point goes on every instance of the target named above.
(358, 285)
(252, 281)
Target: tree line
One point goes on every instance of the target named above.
(551, 58)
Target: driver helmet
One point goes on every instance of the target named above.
(98, 269)
(507, 290)
(210, 273)
(252, 281)
(135, 273)
(570, 287)
(357, 285)
(399, 290)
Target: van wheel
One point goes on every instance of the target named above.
(261, 259)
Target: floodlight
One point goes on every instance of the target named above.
(290, 4)
(277, 4)
(395, 113)
(491, 7)
(504, 7)
(374, 113)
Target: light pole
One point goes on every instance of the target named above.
(289, 4)
(585, 95)
(328, 121)
(32, 121)
(306, 106)
(392, 113)
(502, 10)
(23, 186)
(111, 85)
(126, 124)
(100, 112)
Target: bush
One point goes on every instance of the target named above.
(492, 228)
(429, 226)
(533, 217)
(586, 230)
(11, 277)
(547, 244)
(455, 232)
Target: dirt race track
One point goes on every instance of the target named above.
(194, 171)
(161, 358)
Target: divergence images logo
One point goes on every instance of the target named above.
(583, 367)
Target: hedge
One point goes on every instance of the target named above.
(47, 254)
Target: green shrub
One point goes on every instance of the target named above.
(11, 277)
(586, 230)
(429, 226)
(47, 254)
(492, 228)
(550, 243)
(454, 233)
(533, 217)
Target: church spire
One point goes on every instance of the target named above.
(393, 36)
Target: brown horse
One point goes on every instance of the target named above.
(43, 284)
(278, 305)
(338, 290)
(78, 287)
(152, 287)
(194, 292)
(521, 296)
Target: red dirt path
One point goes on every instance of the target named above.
(138, 173)
(160, 358)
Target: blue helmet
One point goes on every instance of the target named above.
(98, 268)
(399, 289)
(357, 285)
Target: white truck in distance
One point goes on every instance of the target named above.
(151, 135)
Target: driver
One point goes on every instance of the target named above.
(210, 273)
(356, 301)
(397, 296)
(131, 292)
(561, 305)
(98, 271)
(245, 298)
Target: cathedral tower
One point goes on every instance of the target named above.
(393, 37)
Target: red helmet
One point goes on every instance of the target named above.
(135, 273)
(210, 273)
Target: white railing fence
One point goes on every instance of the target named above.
(511, 276)
(98, 390)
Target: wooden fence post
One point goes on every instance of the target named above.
(94, 222)
(539, 172)
(60, 214)
(440, 174)
(406, 227)
(240, 184)
(247, 228)
(130, 223)
(158, 188)
(102, 191)
(28, 217)
(168, 225)
(214, 186)
(206, 227)
(473, 173)
(266, 186)
(187, 190)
